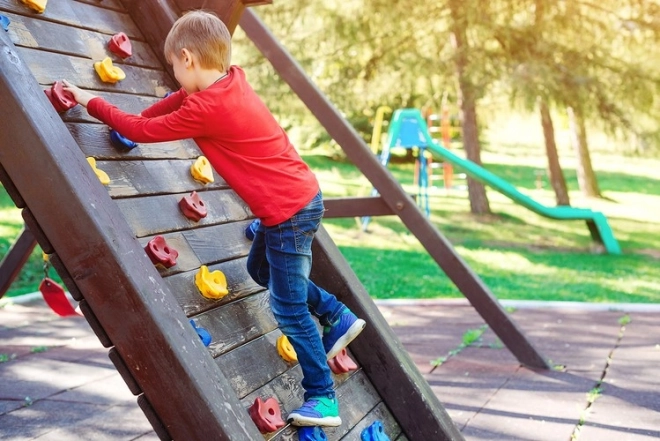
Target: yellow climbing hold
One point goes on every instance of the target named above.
(285, 349)
(201, 170)
(36, 5)
(103, 176)
(107, 72)
(212, 285)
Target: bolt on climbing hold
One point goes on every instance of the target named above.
(107, 72)
(160, 252)
(375, 432)
(36, 5)
(201, 170)
(342, 363)
(121, 142)
(103, 176)
(266, 415)
(203, 334)
(61, 99)
(119, 44)
(285, 349)
(4, 22)
(193, 207)
(311, 433)
(212, 285)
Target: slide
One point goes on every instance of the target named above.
(596, 221)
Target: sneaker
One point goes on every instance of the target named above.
(337, 336)
(317, 411)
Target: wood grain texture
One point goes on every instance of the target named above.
(128, 103)
(55, 37)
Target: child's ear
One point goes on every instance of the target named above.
(187, 58)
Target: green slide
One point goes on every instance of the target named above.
(599, 228)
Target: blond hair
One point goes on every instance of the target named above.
(204, 35)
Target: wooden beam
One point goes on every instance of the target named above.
(137, 311)
(393, 194)
(356, 207)
(229, 11)
(15, 259)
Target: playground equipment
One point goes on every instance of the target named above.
(120, 44)
(95, 237)
(411, 123)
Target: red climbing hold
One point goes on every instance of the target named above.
(193, 207)
(120, 44)
(342, 363)
(160, 252)
(266, 415)
(60, 98)
(56, 298)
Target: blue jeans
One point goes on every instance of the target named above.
(281, 260)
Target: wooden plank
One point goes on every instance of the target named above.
(128, 103)
(94, 140)
(161, 214)
(48, 67)
(40, 34)
(87, 231)
(356, 206)
(358, 152)
(239, 285)
(133, 178)
(229, 12)
(82, 15)
(12, 263)
(108, 4)
(379, 413)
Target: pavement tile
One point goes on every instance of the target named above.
(617, 419)
(111, 391)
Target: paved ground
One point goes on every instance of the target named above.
(56, 382)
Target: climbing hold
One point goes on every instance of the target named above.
(103, 176)
(204, 335)
(120, 141)
(193, 207)
(375, 432)
(311, 433)
(160, 252)
(56, 298)
(285, 349)
(4, 22)
(120, 44)
(36, 5)
(251, 229)
(61, 99)
(266, 415)
(212, 285)
(107, 72)
(342, 363)
(201, 170)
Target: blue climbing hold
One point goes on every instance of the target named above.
(121, 142)
(251, 229)
(375, 432)
(204, 335)
(311, 433)
(4, 22)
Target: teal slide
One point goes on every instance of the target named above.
(404, 119)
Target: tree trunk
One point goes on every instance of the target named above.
(555, 172)
(468, 104)
(585, 172)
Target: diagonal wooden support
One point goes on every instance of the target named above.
(15, 259)
(392, 193)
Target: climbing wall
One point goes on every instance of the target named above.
(147, 183)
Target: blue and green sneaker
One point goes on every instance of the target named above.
(343, 331)
(316, 411)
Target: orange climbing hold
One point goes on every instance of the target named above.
(107, 72)
(212, 285)
(201, 170)
(120, 44)
(266, 415)
(103, 176)
(36, 5)
(285, 349)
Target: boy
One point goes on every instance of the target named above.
(242, 140)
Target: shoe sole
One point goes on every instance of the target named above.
(302, 421)
(348, 337)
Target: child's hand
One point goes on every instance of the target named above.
(80, 95)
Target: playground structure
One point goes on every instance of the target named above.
(96, 236)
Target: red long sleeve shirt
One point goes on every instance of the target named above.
(239, 136)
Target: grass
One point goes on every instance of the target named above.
(518, 254)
